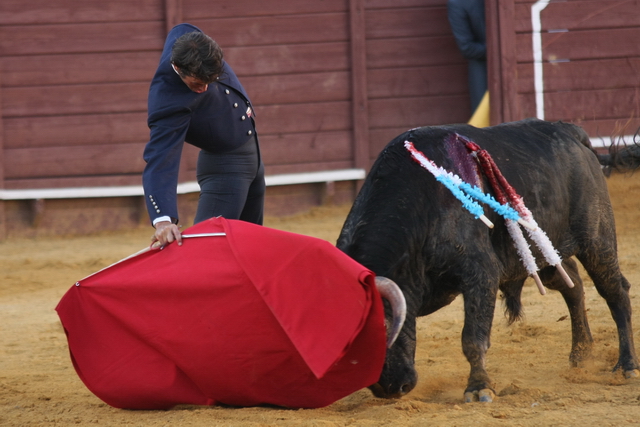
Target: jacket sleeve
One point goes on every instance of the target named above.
(462, 26)
(162, 154)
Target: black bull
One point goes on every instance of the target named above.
(408, 227)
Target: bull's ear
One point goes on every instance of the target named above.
(390, 291)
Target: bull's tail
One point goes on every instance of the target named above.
(511, 298)
(622, 156)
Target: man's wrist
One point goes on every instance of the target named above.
(160, 219)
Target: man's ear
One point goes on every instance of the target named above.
(177, 70)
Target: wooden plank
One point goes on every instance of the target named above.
(308, 167)
(501, 61)
(419, 111)
(306, 147)
(610, 127)
(289, 149)
(126, 67)
(79, 121)
(89, 160)
(79, 68)
(494, 62)
(300, 167)
(190, 156)
(37, 12)
(112, 130)
(314, 118)
(397, 4)
(52, 131)
(288, 200)
(78, 38)
(508, 54)
(381, 137)
(360, 100)
(292, 149)
(619, 104)
(299, 118)
(583, 75)
(409, 22)
(276, 29)
(76, 99)
(76, 217)
(572, 15)
(412, 52)
(289, 59)
(297, 88)
(199, 9)
(74, 181)
(2, 149)
(188, 162)
(578, 45)
(418, 81)
(172, 14)
(3, 225)
(605, 128)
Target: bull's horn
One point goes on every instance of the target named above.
(392, 293)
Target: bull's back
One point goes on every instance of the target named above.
(550, 165)
(553, 168)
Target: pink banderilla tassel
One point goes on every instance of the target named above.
(505, 192)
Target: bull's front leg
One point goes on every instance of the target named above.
(479, 306)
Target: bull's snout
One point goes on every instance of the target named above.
(397, 385)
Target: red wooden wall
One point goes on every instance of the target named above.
(74, 82)
(332, 82)
(415, 73)
(590, 63)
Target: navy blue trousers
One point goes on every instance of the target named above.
(477, 82)
(231, 184)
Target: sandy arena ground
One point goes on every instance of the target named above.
(528, 360)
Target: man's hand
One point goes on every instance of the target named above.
(166, 232)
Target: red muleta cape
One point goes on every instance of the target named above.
(257, 316)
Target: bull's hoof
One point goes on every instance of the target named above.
(485, 395)
(634, 373)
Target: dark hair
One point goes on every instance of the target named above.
(197, 55)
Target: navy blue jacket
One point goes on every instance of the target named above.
(467, 20)
(217, 120)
